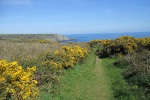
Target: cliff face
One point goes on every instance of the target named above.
(49, 37)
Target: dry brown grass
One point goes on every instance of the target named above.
(14, 51)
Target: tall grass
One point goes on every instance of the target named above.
(15, 51)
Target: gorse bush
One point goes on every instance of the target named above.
(144, 43)
(69, 56)
(16, 83)
(95, 42)
(124, 44)
(63, 58)
(52, 64)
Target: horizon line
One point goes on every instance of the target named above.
(77, 33)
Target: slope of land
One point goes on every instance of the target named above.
(48, 37)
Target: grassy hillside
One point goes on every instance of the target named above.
(27, 37)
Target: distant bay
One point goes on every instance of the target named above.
(101, 36)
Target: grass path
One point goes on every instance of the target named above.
(102, 87)
(86, 82)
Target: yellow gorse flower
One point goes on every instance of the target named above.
(17, 82)
(124, 44)
(69, 56)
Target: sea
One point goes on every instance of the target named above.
(94, 36)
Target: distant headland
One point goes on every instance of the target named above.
(47, 37)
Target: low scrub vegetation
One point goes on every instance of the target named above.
(25, 82)
(19, 51)
(137, 73)
(133, 60)
(122, 45)
(129, 74)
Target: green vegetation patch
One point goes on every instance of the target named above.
(85, 82)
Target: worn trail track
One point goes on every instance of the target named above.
(89, 82)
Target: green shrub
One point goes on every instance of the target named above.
(136, 73)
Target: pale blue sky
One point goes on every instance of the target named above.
(74, 16)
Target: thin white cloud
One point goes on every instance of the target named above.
(15, 2)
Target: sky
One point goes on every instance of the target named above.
(74, 16)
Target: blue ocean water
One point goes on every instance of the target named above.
(94, 36)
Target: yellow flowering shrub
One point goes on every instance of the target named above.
(144, 42)
(57, 65)
(124, 44)
(43, 41)
(16, 83)
(46, 41)
(69, 56)
(95, 42)
(52, 66)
